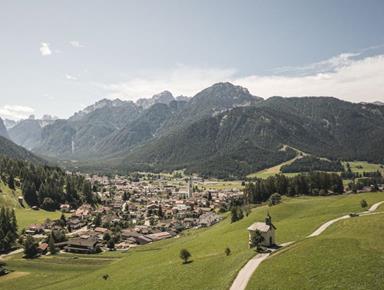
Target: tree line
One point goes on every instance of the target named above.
(45, 186)
(310, 163)
(8, 229)
(313, 183)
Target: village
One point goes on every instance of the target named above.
(132, 212)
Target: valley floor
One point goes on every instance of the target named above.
(158, 266)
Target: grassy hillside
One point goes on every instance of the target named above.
(363, 166)
(25, 216)
(356, 166)
(273, 170)
(157, 266)
(349, 255)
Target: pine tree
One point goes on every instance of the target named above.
(11, 181)
(51, 245)
(8, 229)
(30, 247)
(234, 216)
(63, 220)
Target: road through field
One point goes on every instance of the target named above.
(242, 278)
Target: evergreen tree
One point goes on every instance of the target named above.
(234, 217)
(257, 239)
(63, 220)
(8, 229)
(29, 193)
(11, 182)
(111, 244)
(51, 244)
(30, 247)
(87, 192)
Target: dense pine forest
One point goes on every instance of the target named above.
(45, 186)
(313, 183)
(311, 163)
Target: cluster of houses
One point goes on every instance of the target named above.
(138, 212)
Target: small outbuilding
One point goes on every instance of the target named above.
(266, 229)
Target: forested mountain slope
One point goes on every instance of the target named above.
(247, 138)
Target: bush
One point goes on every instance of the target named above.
(111, 244)
(275, 199)
(227, 251)
(363, 203)
(106, 237)
(48, 204)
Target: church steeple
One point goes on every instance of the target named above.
(268, 219)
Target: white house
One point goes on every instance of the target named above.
(266, 229)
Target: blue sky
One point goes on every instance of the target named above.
(58, 56)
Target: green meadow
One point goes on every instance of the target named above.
(265, 173)
(356, 166)
(348, 255)
(25, 215)
(363, 166)
(158, 266)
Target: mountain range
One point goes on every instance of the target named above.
(223, 131)
(3, 129)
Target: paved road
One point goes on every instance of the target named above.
(375, 206)
(242, 278)
(324, 226)
(246, 272)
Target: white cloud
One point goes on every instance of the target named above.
(346, 76)
(360, 80)
(44, 49)
(328, 65)
(15, 112)
(182, 80)
(71, 77)
(76, 44)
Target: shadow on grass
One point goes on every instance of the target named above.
(188, 262)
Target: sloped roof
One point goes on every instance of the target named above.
(262, 227)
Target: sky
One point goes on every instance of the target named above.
(57, 57)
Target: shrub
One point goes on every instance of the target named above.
(363, 203)
(275, 199)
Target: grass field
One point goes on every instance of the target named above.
(51, 269)
(220, 185)
(273, 170)
(157, 266)
(25, 216)
(356, 166)
(8, 197)
(363, 166)
(349, 255)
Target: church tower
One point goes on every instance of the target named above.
(190, 187)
